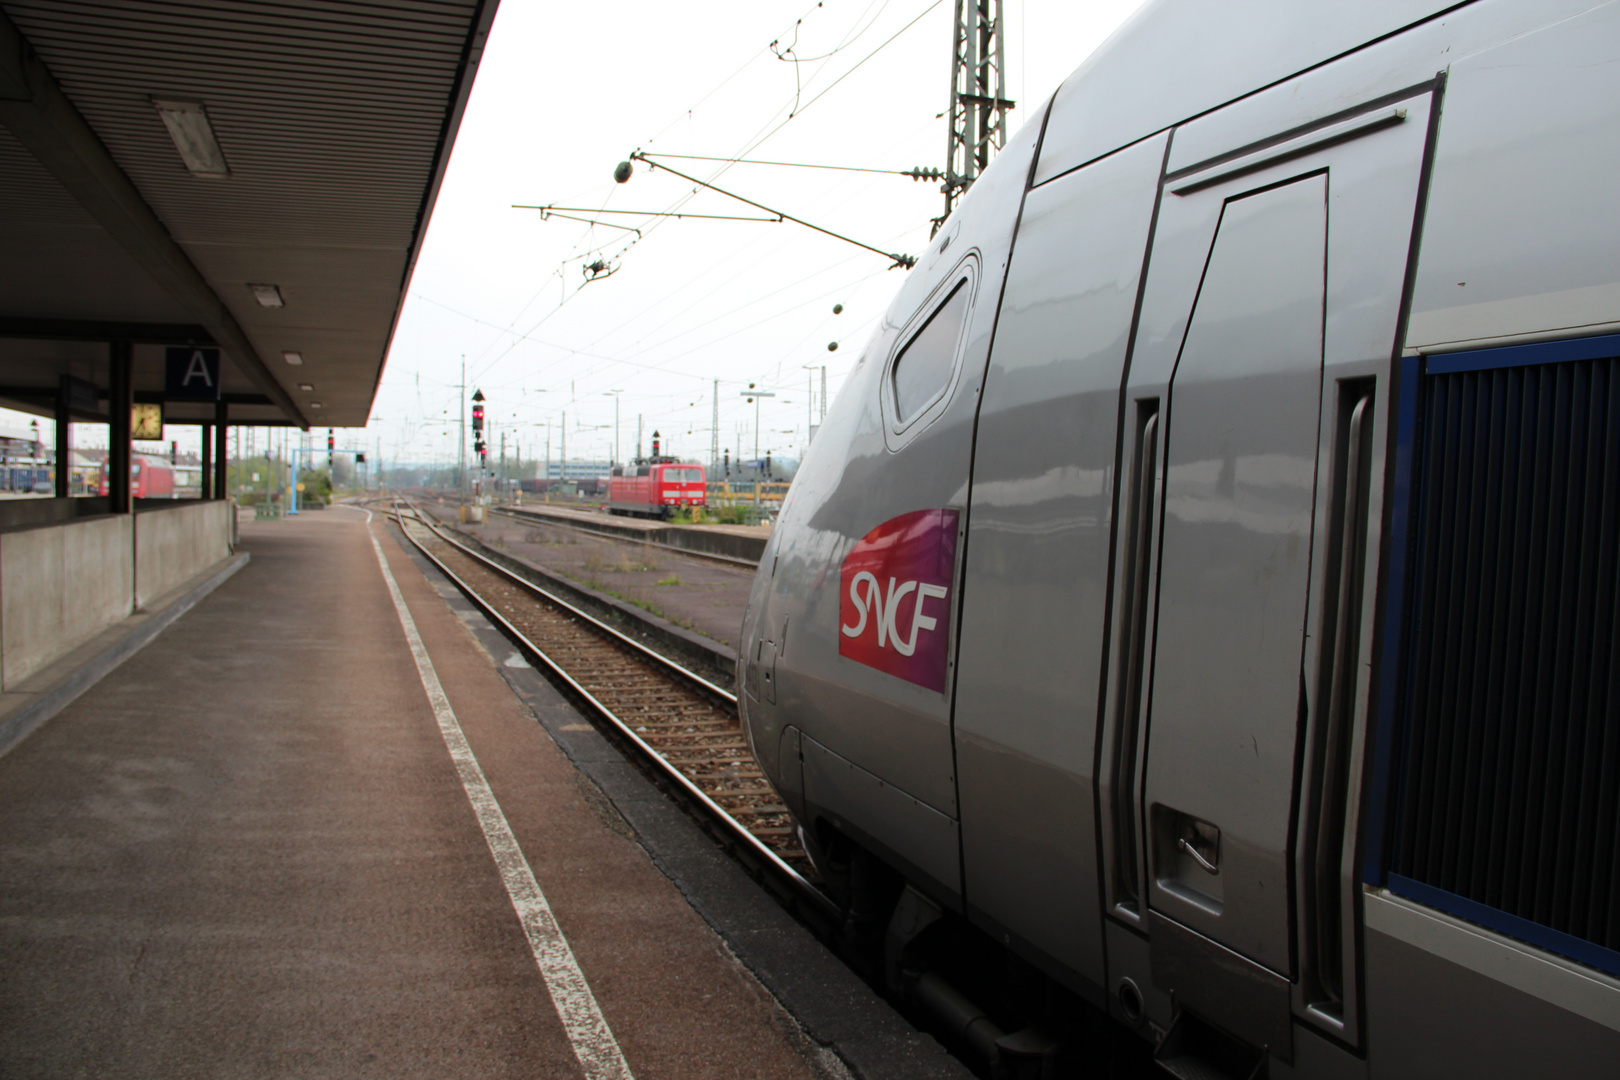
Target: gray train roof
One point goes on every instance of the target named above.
(1175, 59)
(335, 121)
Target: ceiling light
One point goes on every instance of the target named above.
(293, 358)
(314, 404)
(193, 136)
(306, 386)
(266, 295)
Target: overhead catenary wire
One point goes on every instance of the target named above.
(514, 337)
(753, 143)
(552, 211)
(662, 366)
(759, 139)
(629, 359)
(906, 261)
(917, 173)
(682, 306)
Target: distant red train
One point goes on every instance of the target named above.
(656, 489)
(149, 478)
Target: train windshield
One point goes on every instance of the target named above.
(683, 476)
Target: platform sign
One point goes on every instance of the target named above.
(146, 422)
(83, 399)
(191, 374)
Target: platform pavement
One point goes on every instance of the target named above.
(248, 853)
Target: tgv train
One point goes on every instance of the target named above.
(1199, 605)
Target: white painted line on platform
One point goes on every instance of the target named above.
(594, 1045)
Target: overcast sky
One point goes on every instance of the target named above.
(566, 92)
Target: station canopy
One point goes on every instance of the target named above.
(251, 175)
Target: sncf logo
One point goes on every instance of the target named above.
(894, 605)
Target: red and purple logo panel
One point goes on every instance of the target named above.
(895, 599)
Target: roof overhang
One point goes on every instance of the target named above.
(159, 159)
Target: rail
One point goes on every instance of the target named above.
(537, 518)
(694, 752)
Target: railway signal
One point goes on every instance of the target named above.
(330, 447)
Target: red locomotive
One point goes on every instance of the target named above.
(656, 486)
(655, 489)
(149, 478)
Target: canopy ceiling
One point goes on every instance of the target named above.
(332, 122)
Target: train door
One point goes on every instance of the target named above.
(1036, 567)
(1252, 418)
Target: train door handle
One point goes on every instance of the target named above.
(1198, 857)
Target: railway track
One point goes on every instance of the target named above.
(684, 726)
(556, 521)
(732, 561)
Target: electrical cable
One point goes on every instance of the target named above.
(906, 261)
(916, 173)
(766, 253)
(758, 140)
(753, 143)
(800, 111)
(845, 287)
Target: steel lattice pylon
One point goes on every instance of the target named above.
(978, 97)
(714, 430)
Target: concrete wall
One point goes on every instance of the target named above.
(176, 543)
(62, 584)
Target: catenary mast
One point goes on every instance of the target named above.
(978, 97)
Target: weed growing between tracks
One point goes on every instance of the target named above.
(606, 560)
(714, 515)
(651, 609)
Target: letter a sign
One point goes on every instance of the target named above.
(191, 374)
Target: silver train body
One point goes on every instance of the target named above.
(1205, 583)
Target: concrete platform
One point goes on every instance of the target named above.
(250, 853)
(48, 691)
(743, 542)
(700, 595)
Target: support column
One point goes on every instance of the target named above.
(120, 407)
(222, 429)
(205, 475)
(64, 456)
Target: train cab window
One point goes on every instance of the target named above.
(924, 367)
(681, 476)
